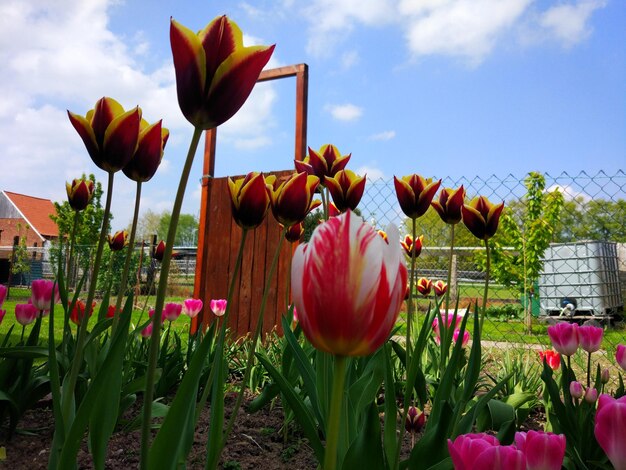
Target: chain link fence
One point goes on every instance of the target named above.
(583, 273)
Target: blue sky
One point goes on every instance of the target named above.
(435, 87)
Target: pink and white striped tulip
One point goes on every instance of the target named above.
(41, 294)
(542, 450)
(348, 285)
(218, 306)
(620, 355)
(191, 307)
(610, 429)
(564, 337)
(172, 311)
(590, 337)
(25, 314)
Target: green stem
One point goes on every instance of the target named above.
(334, 416)
(486, 292)
(409, 314)
(129, 254)
(588, 369)
(449, 280)
(68, 393)
(257, 334)
(160, 299)
(231, 291)
(72, 243)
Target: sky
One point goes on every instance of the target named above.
(442, 88)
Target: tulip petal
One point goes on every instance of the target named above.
(233, 82)
(220, 38)
(120, 140)
(105, 111)
(190, 67)
(148, 155)
(85, 131)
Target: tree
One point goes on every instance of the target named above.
(147, 225)
(20, 262)
(88, 230)
(524, 235)
(186, 231)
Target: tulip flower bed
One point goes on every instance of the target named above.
(344, 387)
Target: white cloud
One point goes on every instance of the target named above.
(373, 173)
(63, 55)
(349, 59)
(568, 22)
(385, 135)
(467, 29)
(344, 112)
(569, 193)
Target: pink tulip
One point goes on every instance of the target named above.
(467, 447)
(41, 295)
(218, 306)
(466, 337)
(3, 293)
(576, 390)
(604, 376)
(147, 331)
(543, 450)
(591, 395)
(610, 429)
(348, 285)
(25, 314)
(449, 317)
(620, 355)
(564, 337)
(2, 314)
(590, 337)
(172, 311)
(500, 458)
(191, 307)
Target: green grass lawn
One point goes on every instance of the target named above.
(20, 295)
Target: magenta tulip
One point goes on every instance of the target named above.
(576, 390)
(147, 331)
(542, 450)
(3, 293)
(25, 314)
(467, 447)
(590, 337)
(620, 355)
(466, 337)
(500, 458)
(218, 306)
(610, 429)
(348, 285)
(172, 311)
(564, 337)
(2, 314)
(191, 307)
(41, 294)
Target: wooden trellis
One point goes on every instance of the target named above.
(219, 237)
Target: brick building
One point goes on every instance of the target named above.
(29, 217)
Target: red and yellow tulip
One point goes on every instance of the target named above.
(412, 248)
(346, 188)
(249, 200)
(215, 73)
(415, 194)
(449, 204)
(118, 240)
(149, 153)
(109, 133)
(326, 162)
(79, 193)
(481, 217)
(292, 199)
(295, 233)
(424, 286)
(159, 251)
(348, 286)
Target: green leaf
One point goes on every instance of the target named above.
(390, 440)
(366, 451)
(302, 415)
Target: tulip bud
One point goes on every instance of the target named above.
(218, 306)
(620, 355)
(424, 286)
(414, 420)
(147, 331)
(325, 163)
(294, 233)
(564, 337)
(118, 240)
(249, 200)
(591, 395)
(41, 294)
(292, 199)
(450, 204)
(79, 193)
(346, 188)
(149, 152)
(172, 311)
(466, 337)
(481, 217)
(440, 288)
(191, 307)
(412, 248)
(111, 311)
(415, 194)
(576, 389)
(25, 314)
(159, 251)
(552, 358)
(604, 376)
(590, 337)
(3, 293)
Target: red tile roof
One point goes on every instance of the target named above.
(37, 212)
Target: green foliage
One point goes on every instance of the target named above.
(595, 219)
(437, 233)
(523, 236)
(111, 270)
(186, 231)
(20, 263)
